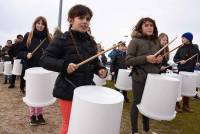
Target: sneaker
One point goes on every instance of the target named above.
(33, 121)
(11, 86)
(197, 97)
(41, 120)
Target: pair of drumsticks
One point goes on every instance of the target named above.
(156, 54)
(173, 50)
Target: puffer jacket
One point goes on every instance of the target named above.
(185, 52)
(24, 50)
(63, 51)
(138, 49)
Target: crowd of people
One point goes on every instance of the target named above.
(62, 52)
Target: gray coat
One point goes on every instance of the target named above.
(138, 49)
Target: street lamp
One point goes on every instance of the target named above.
(60, 14)
(125, 38)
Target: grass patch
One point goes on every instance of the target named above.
(184, 123)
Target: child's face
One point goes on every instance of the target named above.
(147, 28)
(120, 47)
(163, 41)
(40, 26)
(185, 40)
(80, 23)
(9, 43)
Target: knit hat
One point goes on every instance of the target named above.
(188, 36)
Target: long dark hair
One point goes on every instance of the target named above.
(138, 28)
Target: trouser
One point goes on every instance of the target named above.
(22, 81)
(138, 88)
(35, 111)
(65, 108)
(185, 101)
(12, 82)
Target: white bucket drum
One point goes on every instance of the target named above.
(39, 87)
(198, 78)
(7, 68)
(189, 83)
(1, 67)
(159, 97)
(174, 75)
(96, 110)
(99, 81)
(124, 81)
(17, 67)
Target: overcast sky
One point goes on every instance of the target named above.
(112, 20)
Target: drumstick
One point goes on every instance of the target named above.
(172, 50)
(185, 61)
(191, 58)
(38, 46)
(167, 67)
(95, 56)
(164, 47)
(188, 59)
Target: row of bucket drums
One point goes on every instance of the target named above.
(161, 91)
(98, 109)
(8, 69)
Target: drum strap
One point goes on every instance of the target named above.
(135, 69)
(69, 81)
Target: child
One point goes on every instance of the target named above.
(6, 57)
(183, 53)
(31, 40)
(140, 55)
(63, 55)
(118, 62)
(13, 53)
(163, 39)
(102, 57)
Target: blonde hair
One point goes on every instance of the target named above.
(30, 36)
(166, 50)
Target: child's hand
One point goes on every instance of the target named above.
(29, 55)
(197, 64)
(163, 68)
(182, 62)
(102, 73)
(151, 59)
(159, 59)
(71, 68)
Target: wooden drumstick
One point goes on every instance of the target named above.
(38, 46)
(95, 56)
(185, 60)
(172, 50)
(188, 59)
(191, 58)
(156, 54)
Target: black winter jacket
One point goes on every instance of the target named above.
(24, 50)
(14, 50)
(185, 52)
(61, 52)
